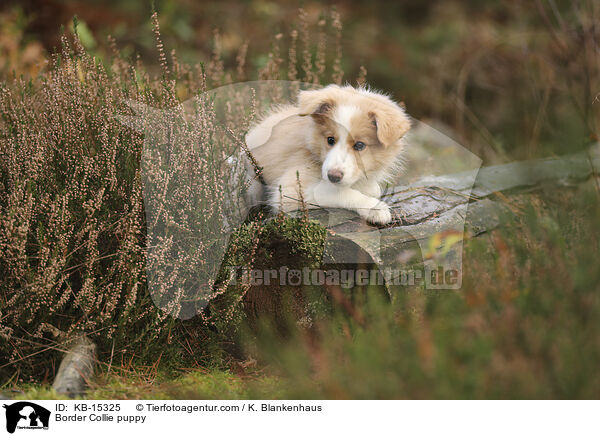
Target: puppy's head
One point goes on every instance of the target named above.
(356, 133)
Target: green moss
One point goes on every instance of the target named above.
(284, 241)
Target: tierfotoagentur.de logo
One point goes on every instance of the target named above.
(25, 415)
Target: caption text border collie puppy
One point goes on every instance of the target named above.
(341, 143)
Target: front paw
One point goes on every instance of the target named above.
(379, 214)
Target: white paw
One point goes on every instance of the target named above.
(379, 214)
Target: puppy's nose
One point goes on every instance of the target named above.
(335, 176)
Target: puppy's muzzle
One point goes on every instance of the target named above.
(335, 176)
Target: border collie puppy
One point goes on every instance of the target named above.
(333, 149)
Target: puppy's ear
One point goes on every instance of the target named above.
(316, 102)
(391, 123)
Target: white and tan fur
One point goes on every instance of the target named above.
(291, 142)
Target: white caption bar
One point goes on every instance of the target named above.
(143, 417)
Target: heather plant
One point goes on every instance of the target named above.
(74, 216)
(72, 210)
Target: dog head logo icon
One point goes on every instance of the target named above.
(26, 415)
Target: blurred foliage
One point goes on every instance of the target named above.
(18, 53)
(516, 78)
(524, 325)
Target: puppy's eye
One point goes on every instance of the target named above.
(359, 146)
(330, 140)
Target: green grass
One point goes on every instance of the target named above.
(205, 384)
